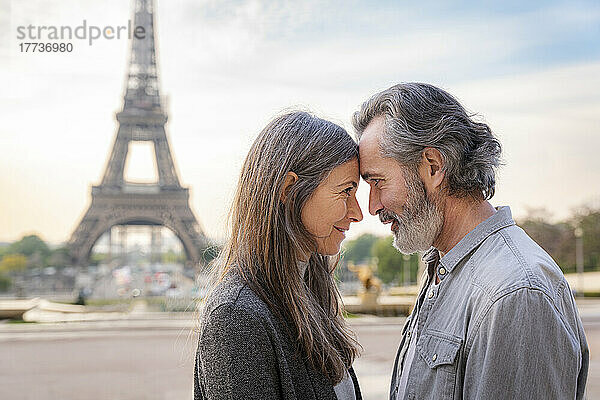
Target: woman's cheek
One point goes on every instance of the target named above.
(340, 210)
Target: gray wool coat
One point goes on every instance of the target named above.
(245, 352)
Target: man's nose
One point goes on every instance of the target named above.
(375, 205)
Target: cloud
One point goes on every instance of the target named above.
(531, 70)
(548, 122)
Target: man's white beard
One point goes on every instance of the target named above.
(421, 219)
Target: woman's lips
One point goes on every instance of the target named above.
(343, 230)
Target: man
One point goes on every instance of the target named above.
(496, 318)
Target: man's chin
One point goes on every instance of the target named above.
(407, 248)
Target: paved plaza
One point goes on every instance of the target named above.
(152, 359)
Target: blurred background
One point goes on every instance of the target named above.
(114, 320)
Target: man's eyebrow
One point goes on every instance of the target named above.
(368, 175)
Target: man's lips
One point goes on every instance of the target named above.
(343, 230)
(392, 221)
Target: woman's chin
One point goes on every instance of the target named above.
(330, 250)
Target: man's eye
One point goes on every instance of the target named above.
(348, 190)
(376, 182)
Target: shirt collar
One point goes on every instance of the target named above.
(431, 258)
(501, 219)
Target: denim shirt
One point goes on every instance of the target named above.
(502, 323)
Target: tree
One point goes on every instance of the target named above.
(3, 250)
(588, 219)
(13, 262)
(97, 258)
(557, 239)
(5, 282)
(171, 257)
(211, 252)
(30, 245)
(359, 250)
(390, 262)
(35, 261)
(59, 257)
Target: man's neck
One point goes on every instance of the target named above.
(461, 216)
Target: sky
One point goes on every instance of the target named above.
(531, 70)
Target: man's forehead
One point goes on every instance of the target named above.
(370, 158)
(369, 145)
(374, 129)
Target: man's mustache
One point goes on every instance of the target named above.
(385, 216)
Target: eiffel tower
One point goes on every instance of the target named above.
(119, 202)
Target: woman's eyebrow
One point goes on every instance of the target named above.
(349, 182)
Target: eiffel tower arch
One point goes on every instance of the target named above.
(116, 201)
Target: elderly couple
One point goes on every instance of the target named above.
(495, 318)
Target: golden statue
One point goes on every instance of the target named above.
(371, 284)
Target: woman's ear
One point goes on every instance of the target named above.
(290, 179)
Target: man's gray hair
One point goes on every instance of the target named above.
(419, 115)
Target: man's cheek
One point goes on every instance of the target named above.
(391, 203)
(384, 199)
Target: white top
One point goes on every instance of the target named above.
(345, 389)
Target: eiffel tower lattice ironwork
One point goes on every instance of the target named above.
(118, 202)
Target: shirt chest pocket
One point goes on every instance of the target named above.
(438, 348)
(438, 354)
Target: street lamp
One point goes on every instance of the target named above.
(406, 273)
(579, 259)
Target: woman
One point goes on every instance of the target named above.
(272, 327)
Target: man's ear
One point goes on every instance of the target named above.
(432, 168)
(290, 179)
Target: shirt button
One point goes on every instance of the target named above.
(442, 271)
(431, 294)
(408, 334)
(434, 357)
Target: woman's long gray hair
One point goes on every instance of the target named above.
(267, 236)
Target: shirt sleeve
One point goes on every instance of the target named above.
(235, 357)
(523, 349)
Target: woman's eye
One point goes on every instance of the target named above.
(348, 190)
(376, 182)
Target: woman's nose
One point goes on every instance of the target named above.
(354, 211)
